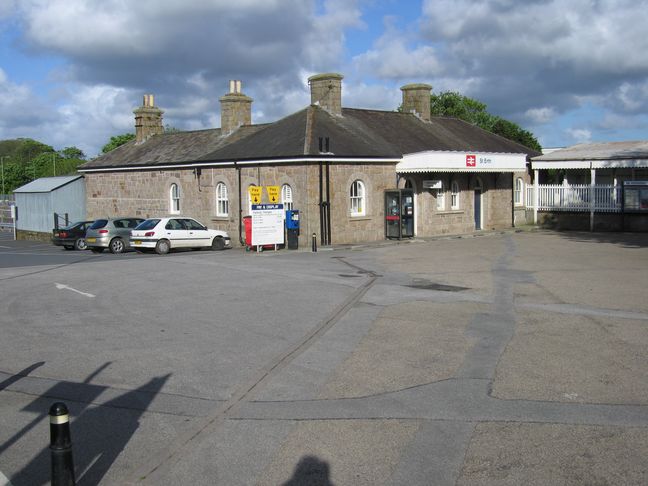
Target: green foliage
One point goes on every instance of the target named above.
(116, 141)
(450, 103)
(24, 160)
(72, 153)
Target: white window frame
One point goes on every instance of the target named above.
(454, 195)
(174, 198)
(357, 199)
(518, 193)
(222, 200)
(440, 198)
(287, 197)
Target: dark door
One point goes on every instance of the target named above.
(478, 222)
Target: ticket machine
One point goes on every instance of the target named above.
(399, 213)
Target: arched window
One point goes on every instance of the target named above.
(286, 197)
(222, 201)
(174, 199)
(440, 197)
(454, 195)
(357, 198)
(518, 194)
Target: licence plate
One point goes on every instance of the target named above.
(137, 242)
(91, 240)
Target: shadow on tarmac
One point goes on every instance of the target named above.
(99, 433)
(626, 240)
(310, 471)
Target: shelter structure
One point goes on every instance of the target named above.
(38, 201)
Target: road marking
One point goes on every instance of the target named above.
(4, 481)
(10, 249)
(63, 286)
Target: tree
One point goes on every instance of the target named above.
(450, 103)
(72, 153)
(116, 141)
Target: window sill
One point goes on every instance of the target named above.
(360, 218)
(450, 211)
(220, 218)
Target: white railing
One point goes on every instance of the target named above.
(582, 197)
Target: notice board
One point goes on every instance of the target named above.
(267, 224)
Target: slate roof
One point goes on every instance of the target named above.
(47, 184)
(599, 151)
(361, 134)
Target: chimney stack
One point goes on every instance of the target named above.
(326, 91)
(236, 108)
(148, 120)
(416, 99)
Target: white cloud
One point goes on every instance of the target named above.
(580, 135)
(392, 58)
(540, 115)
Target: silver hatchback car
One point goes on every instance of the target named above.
(111, 233)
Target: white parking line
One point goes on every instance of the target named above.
(67, 287)
(4, 481)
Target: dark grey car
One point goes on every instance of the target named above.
(111, 233)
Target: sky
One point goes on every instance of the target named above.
(72, 71)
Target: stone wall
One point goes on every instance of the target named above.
(147, 194)
(496, 203)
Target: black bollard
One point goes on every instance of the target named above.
(314, 242)
(61, 446)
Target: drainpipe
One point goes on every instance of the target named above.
(240, 217)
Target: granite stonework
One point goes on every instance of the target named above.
(146, 194)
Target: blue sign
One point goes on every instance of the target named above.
(265, 207)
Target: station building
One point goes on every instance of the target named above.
(355, 175)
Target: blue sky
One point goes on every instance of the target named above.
(72, 71)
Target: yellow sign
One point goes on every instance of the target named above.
(255, 194)
(273, 193)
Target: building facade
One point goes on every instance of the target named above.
(331, 163)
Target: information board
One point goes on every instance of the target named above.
(267, 224)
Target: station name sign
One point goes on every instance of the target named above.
(451, 161)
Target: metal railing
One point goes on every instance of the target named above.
(6, 220)
(582, 197)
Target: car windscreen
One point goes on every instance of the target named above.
(99, 223)
(147, 224)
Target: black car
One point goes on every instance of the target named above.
(71, 237)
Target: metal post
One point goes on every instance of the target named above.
(592, 196)
(536, 195)
(314, 242)
(61, 446)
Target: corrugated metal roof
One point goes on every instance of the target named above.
(599, 151)
(47, 184)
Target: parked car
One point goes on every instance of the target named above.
(165, 234)
(113, 234)
(71, 237)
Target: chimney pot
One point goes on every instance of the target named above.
(236, 108)
(148, 120)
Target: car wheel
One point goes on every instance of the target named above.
(96, 249)
(68, 247)
(117, 245)
(162, 247)
(80, 244)
(218, 243)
